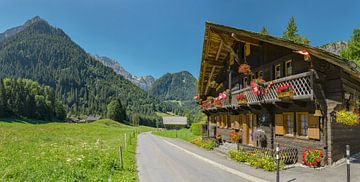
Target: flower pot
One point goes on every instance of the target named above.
(285, 95)
(242, 102)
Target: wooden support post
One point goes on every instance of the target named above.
(348, 162)
(121, 158)
(125, 145)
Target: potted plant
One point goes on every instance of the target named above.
(285, 91)
(313, 157)
(244, 68)
(347, 118)
(241, 98)
(257, 86)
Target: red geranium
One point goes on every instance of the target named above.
(312, 157)
(241, 97)
(244, 68)
(284, 88)
(234, 136)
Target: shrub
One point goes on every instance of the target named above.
(312, 157)
(206, 144)
(256, 159)
(196, 128)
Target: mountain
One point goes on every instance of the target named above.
(12, 31)
(45, 54)
(143, 82)
(335, 47)
(179, 86)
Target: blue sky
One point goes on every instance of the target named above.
(153, 37)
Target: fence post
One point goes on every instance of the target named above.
(130, 139)
(121, 158)
(348, 162)
(125, 142)
(277, 164)
(176, 134)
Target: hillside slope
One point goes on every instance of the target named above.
(179, 86)
(47, 55)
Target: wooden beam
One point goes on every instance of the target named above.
(209, 80)
(219, 50)
(214, 63)
(245, 40)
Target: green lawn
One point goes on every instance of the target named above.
(65, 152)
(184, 134)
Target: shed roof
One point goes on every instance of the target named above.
(174, 120)
(218, 40)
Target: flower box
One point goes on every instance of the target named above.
(242, 102)
(285, 91)
(285, 95)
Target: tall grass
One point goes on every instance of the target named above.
(65, 152)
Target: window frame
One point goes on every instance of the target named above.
(260, 74)
(287, 68)
(298, 124)
(286, 124)
(275, 71)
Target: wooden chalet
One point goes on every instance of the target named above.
(323, 84)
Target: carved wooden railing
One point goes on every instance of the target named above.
(302, 85)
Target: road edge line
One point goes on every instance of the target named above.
(218, 165)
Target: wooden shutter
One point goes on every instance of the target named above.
(279, 124)
(313, 127)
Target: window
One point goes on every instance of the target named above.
(289, 123)
(260, 74)
(252, 76)
(302, 120)
(277, 71)
(245, 82)
(288, 68)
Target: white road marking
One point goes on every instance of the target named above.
(223, 167)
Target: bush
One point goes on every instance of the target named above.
(256, 159)
(196, 128)
(206, 144)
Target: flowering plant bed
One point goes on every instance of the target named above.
(285, 91)
(312, 157)
(255, 159)
(241, 98)
(234, 136)
(347, 118)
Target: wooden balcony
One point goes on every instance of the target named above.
(302, 85)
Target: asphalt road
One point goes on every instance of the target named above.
(160, 160)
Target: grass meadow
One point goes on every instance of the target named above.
(32, 150)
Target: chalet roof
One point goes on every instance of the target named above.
(93, 118)
(219, 39)
(174, 120)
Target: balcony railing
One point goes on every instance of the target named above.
(302, 85)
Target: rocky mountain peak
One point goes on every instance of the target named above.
(144, 82)
(335, 47)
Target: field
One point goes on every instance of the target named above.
(35, 151)
(183, 134)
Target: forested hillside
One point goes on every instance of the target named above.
(45, 54)
(175, 86)
(26, 98)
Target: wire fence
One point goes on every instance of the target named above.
(287, 154)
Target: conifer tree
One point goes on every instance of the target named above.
(353, 50)
(264, 31)
(291, 33)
